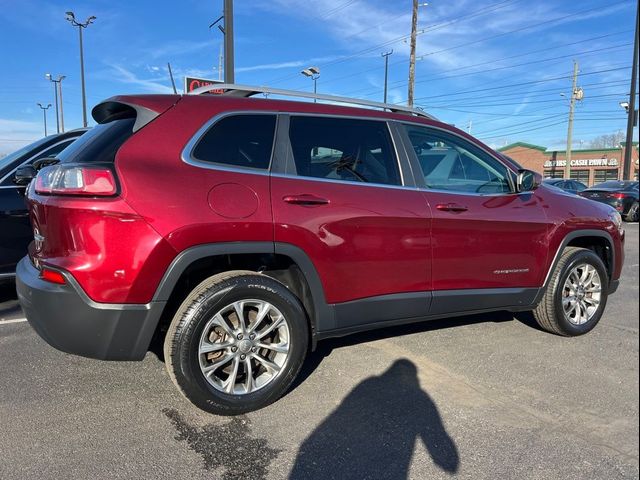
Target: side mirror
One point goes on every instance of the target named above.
(528, 181)
(24, 175)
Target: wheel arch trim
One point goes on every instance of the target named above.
(563, 245)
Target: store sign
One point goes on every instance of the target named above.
(193, 83)
(591, 162)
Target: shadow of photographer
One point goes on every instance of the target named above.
(372, 434)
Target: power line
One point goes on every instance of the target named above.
(392, 41)
(493, 61)
(532, 82)
(527, 130)
(517, 30)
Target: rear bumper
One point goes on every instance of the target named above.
(68, 320)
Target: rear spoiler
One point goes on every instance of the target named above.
(144, 108)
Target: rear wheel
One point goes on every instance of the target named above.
(576, 295)
(633, 214)
(236, 343)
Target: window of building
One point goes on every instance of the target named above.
(602, 175)
(554, 173)
(343, 149)
(580, 175)
(238, 141)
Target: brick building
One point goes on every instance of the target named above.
(589, 166)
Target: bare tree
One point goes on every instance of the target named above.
(611, 140)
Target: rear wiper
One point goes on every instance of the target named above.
(45, 162)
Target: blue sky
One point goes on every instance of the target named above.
(500, 64)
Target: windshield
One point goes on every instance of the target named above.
(9, 159)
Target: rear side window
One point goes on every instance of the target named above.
(343, 149)
(100, 144)
(238, 141)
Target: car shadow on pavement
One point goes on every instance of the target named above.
(373, 433)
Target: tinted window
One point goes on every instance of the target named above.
(343, 149)
(239, 141)
(6, 163)
(99, 144)
(451, 163)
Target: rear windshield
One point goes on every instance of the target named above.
(100, 144)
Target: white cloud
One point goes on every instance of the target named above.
(14, 134)
(148, 85)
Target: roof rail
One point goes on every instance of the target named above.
(233, 90)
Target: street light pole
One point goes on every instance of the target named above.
(313, 73)
(44, 115)
(386, 72)
(72, 19)
(57, 90)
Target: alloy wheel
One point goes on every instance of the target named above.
(244, 347)
(581, 294)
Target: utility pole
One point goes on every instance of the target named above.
(412, 54)
(576, 94)
(229, 76)
(628, 146)
(57, 90)
(72, 19)
(386, 72)
(44, 116)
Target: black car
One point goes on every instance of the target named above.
(571, 186)
(15, 230)
(621, 195)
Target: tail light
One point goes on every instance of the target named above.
(618, 196)
(75, 180)
(52, 276)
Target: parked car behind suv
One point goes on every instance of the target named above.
(240, 231)
(571, 186)
(621, 195)
(15, 230)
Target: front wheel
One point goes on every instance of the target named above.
(576, 295)
(236, 343)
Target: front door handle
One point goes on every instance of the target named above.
(451, 207)
(305, 200)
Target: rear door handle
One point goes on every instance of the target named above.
(451, 207)
(305, 200)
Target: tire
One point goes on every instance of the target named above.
(550, 313)
(633, 214)
(263, 369)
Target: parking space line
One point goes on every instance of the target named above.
(12, 320)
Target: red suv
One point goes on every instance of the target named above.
(240, 231)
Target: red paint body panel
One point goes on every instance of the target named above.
(498, 242)
(110, 250)
(366, 241)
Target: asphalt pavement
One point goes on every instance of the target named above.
(488, 396)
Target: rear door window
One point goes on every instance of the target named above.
(343, 149)
(238, 141)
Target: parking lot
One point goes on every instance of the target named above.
(487, 396)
